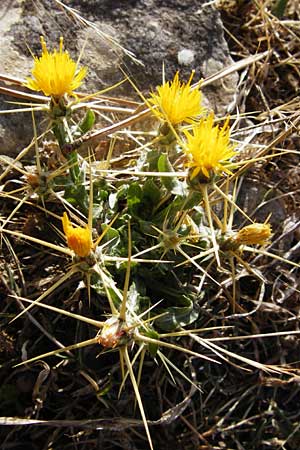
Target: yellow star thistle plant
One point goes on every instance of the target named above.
(55, 73)
(208, 148)
(254, 234)
(176, 101)
(78, 239)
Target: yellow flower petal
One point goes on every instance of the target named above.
(256, 233)
(55, 73)
(79, 239)
(176, 101)
(208, 147)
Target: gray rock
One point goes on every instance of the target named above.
(153, 29)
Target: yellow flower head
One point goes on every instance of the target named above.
(256, 233)
(79, 239)
(176, 101)
(55, 73)
(208, 147)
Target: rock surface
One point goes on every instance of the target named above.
(154, 30)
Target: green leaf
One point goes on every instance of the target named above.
(134, 198)
(77, 195)
(178, 316)
(76, 174)
(186, 203)
(87, 123)
(152, 159)
(152, 347)
(279, 8)
(171, 183)
(163, 164)
(151, 192)
(112, 236)
(60, 133)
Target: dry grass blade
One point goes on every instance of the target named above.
(245, 62)
(137, 395)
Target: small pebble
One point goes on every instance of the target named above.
(185, 57)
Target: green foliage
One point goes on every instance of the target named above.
(176, 317)
(87, 122)
(171, 183)
(279, 8)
